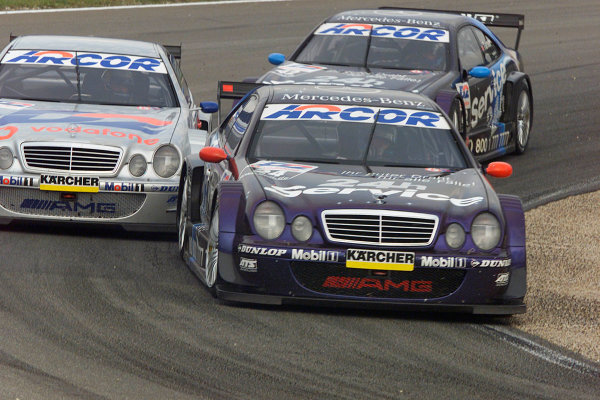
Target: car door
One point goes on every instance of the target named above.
(476, 92)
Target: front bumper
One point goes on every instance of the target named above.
(131, 204)
(455, 283)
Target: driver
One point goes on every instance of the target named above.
(118, 85)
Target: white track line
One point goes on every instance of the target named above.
(538, 350)
(203, 3)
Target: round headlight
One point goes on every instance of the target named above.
(455, 236)
(137, 165)
(485, 231)
(301, 228)
(269, 220)
(166, 161)
(6, 158)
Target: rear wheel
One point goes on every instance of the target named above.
(211, 254)
(523, 119)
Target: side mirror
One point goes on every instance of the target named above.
(213, 154)
(499, 169)
(209, 107)
(480, 72)
(276, 58)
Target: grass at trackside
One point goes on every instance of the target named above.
(6, 5)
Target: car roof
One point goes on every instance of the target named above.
(311, 94)
(86, 43)
(424, 18)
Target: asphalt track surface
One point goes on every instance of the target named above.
(102, 314)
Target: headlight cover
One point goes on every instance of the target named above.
(6, 158)
(166, 161)
(455, 236)
(137, 165)
(485, 231)
(269, 220)
(302, 228)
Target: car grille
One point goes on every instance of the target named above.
(80, 158)
(36, 202)
(334, 279)
(380, 227)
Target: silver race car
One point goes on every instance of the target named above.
(94, 130)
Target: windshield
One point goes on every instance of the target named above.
(85, 78)
(378, 46)
(355, 135)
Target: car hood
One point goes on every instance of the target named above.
(301, 188)
(297, 73)
(84, 123)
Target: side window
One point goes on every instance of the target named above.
(182, 82)
(490, 50)
(469, 52)
(241, 122)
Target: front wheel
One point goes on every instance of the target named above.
(182, 216)
(523, 119)
(211, 254)
(456, 116)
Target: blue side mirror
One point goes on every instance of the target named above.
(480, 72)
(276, 58)
(209, 107)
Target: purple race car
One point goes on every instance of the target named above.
(366, 197)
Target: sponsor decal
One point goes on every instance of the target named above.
(489, 105)
(315, 255)
(485, 18)
(84, 59)
(385, 31)
(362, 114)
(164, 188)
(465, 92)
(491, 263)
(502, 279)
(294, 69)
(389, 19)
(499, 139)
(380, 259)
(280, 171)
(383, 285)
(11, 131)
(172, 200)
(69, 206)
(248, 264)
(123, 187)
(14, 105)
(404, 190)
(352, 99)
(70, 183)
(15, 181)
(261, 251)
(443, 262)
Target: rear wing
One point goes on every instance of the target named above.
(174, 51)
(501, 20)
(234, 91)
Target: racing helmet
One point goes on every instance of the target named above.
(118, 84)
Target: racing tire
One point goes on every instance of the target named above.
(456, 116)
(182, 217)
(522, 118)
(211, 255)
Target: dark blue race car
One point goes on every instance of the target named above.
(321, 194)
(451, 57)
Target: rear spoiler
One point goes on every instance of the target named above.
(489, 19)
(234, 91)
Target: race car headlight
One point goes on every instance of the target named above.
(6, 158)
(485, 231)
(455, 236)
(269, 220)
(138, 165)
(166, 161)
(302, 228)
